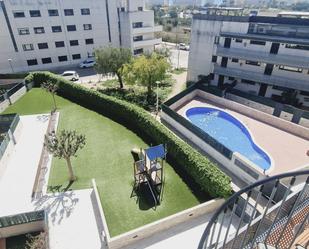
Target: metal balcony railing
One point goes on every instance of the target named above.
(271, 213)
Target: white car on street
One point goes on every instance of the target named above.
(87, 63)
(183, 46)
(70, 75)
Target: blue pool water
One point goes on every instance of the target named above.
(230, 132)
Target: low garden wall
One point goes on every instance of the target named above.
(204, 172)
(153, 228)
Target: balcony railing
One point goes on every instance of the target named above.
(147, 29)
(148, 42)
(271, 213)
(277, 59)
(262, 78)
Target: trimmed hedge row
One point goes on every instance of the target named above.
(208, 176)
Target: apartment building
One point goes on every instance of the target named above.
(45, 34)
(264, 56)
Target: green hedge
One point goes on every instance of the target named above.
(209, 177)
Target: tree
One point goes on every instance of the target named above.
(65, 146)
(37, 242)
(52, 88)
(111, 60)
(146, 70)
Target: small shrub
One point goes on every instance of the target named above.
(205, 173)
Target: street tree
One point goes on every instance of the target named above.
(65, 146)
(51, 88)
(146, 70)
(112, 60)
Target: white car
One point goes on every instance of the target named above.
(70, 75)
(183, 46)
(87, 63)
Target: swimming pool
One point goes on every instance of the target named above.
(230, 132)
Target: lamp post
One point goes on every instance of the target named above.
(157, 104)
(10, 62)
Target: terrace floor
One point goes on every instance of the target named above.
(287, 150)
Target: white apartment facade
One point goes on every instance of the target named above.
(47, 34)
(264, 55)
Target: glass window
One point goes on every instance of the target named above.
(138, 51)
(39, 30)
(46, 60)
(56, 29)
(32, 62)
(28, 47)
(89, 41)
(217, 40)
(238, 40)
(85, 11)
(140, 8)
(62, 58)
(76, 56)
(294, 46)
(69, 12)
(87, 27)
(35, 13)
(137, 25)
(250, 82)
(214, 58)
(253, 63)
(43, 45)
(138, 38)
(18, 14)
(59, 44)
(53, 13)
(23, 31)
(291, 69)
(71, 28)
(235, 60)
(74, 42)
(257, 42)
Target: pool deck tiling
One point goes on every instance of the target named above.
(287, 150)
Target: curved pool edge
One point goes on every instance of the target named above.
(272, 162)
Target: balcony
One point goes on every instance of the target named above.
(147, 29)
(277, 59)
(297, 84)
(271, 38)
(146, 43)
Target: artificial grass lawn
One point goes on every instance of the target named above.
(107, 158)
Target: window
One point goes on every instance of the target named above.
(250, 82)
(281, 88)
(71, 28)
(32, 62)
(87, 27)
(46, 60)
(69, 12)
(137, 25)
(39, 30)
(62, 58)
(59, 44)
(257, 42)
(235, 60)
(217, 40)
(138, 38)
(74, 43)
(23, 31)
(122, 9)
(35, 13)
(89, 41)
(238, 40)
(76, 56)
(294, 46)
(253, 63)
(214, 58)
(53, 13)
(56, 29)
(85, 11)
(43, 45)
(18, 14)
(138, 51)
(28, 47)
(140, 8)
(231, 78)
(291, 69)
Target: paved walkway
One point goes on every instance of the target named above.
(180, 83)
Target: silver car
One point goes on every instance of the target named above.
(70, 75)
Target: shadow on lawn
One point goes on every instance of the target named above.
(59, 203)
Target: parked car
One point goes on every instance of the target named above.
(183, 46)
(87, 63)
(70, 75)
